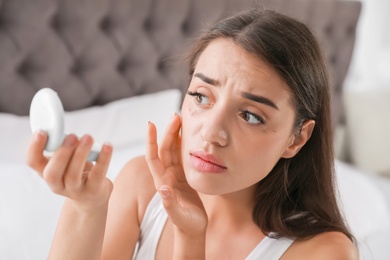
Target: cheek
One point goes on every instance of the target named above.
(192, 111)
(254, 163)
(188, 108)
(189, 111)
(188, 124)
(264, 151)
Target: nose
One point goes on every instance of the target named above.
(214, 129)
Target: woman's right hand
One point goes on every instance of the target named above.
(181, 202)
(67, 172)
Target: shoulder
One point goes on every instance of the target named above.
(133, 190)
(135, 185)
(328, 245)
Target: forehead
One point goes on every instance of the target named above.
(230, 64)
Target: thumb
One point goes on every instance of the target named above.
(171, 205)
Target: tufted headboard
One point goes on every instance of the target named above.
(96, 51)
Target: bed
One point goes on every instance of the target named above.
(117, 64)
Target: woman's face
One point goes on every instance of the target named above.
(237, 120)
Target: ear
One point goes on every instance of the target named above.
(300, 139)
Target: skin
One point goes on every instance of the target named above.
(221, 125)
(244, 137)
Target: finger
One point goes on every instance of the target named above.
(88, 166)
(176, 213)
(34, 156)
(98, 173)
(155, 166)
(57, 165)
(169, 149)
(73, 178)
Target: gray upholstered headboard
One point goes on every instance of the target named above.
(96, 51)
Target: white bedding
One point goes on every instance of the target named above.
(29, 211)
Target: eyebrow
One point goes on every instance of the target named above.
(247, 95)
(206, 79)
(259, 99)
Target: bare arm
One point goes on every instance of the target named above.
(80, 230)
(79, 233)
(133, 190)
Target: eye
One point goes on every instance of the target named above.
(252, 118)
(200, 98)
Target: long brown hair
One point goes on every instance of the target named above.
(297, 198)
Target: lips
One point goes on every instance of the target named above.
(207, 163)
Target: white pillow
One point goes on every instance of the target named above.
(121, 122)
(362, 201)
(29, 210)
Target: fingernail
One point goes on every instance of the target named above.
(173, 115)
(86, 140)
(39, 134)
(70, 140)
(165, 193)
(107, 147)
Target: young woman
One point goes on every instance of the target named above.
(246, 172)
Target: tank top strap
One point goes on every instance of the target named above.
(155, 218)
(270, 248)
(151, 228)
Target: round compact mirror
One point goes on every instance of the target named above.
(47, 114)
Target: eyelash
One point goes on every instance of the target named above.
(243, 113)
(258, 118)
(197, 95)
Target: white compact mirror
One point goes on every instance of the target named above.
(47, 114)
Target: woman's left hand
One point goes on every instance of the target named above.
(181, 202)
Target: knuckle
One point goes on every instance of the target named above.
(51, 178)
(148, 158)
(167, 205)
(57, 189)
(72, 183)
(32, 163)
(102, 161)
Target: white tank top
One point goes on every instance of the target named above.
(153, 224)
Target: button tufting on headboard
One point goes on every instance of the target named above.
(96, 51)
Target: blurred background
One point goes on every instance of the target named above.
(367, 90)
(113, 64)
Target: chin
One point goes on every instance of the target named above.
(208, 184)
(203, 183)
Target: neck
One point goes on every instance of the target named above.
(233, 210)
